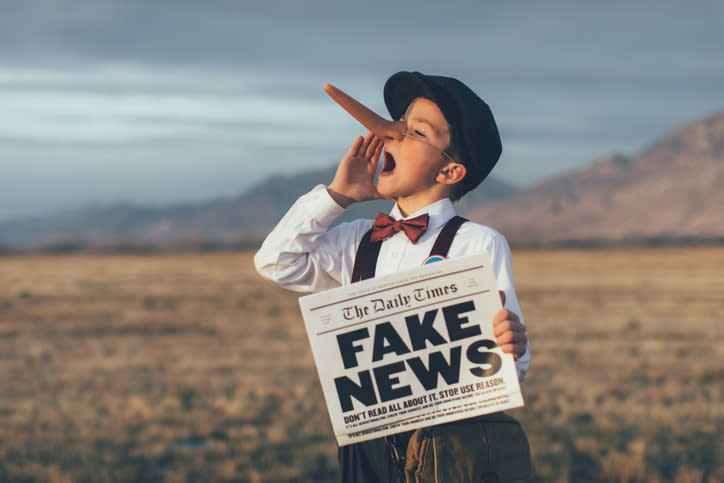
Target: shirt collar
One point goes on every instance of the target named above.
(440, 212)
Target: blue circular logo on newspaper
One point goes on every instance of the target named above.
(433, 259)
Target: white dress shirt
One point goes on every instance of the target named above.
(300, 254)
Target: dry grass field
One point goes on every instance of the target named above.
(190, 368)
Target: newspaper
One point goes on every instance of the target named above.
(409, 350)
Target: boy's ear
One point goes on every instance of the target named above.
(452, 173)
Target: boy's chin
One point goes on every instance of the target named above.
(385, 190)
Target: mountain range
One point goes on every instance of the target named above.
(236, 221)
(671, 191)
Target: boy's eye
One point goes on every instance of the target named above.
(419, 133)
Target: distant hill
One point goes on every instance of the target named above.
(250, 215)
(671, 191)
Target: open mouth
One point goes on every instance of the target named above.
(388, 165)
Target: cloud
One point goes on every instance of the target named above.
(218, 94)
(62, 106)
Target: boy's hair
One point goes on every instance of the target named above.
(474, 137)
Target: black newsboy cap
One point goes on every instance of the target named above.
(472, 126)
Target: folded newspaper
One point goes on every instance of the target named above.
(411, 349)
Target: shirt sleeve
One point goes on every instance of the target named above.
(300, 254)
(474, 238)
(501, 260)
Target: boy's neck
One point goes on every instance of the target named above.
(413, 204)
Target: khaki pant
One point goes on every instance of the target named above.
(491, 448)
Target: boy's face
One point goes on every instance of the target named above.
(411, 165)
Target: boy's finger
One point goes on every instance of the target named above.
(500, 316)
(516, 349)
(354, 148)
(371, 147)
(365, 144)
(505, 314)
(517, 329)
(376, 156)
(501, 328)
(505, 337)
(507, 348)
(507, 325)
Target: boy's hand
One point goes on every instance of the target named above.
(510, 334)
(354, 180)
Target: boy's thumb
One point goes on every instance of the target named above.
(502, 297)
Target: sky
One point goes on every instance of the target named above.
(164, 101)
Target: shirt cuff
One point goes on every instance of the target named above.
(320, 205)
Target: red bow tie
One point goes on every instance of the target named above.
(386, 226)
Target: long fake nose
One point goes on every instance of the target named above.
(379, 126)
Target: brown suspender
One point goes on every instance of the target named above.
(446, 236)
(365, 262)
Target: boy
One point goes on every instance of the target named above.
(444, 144)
